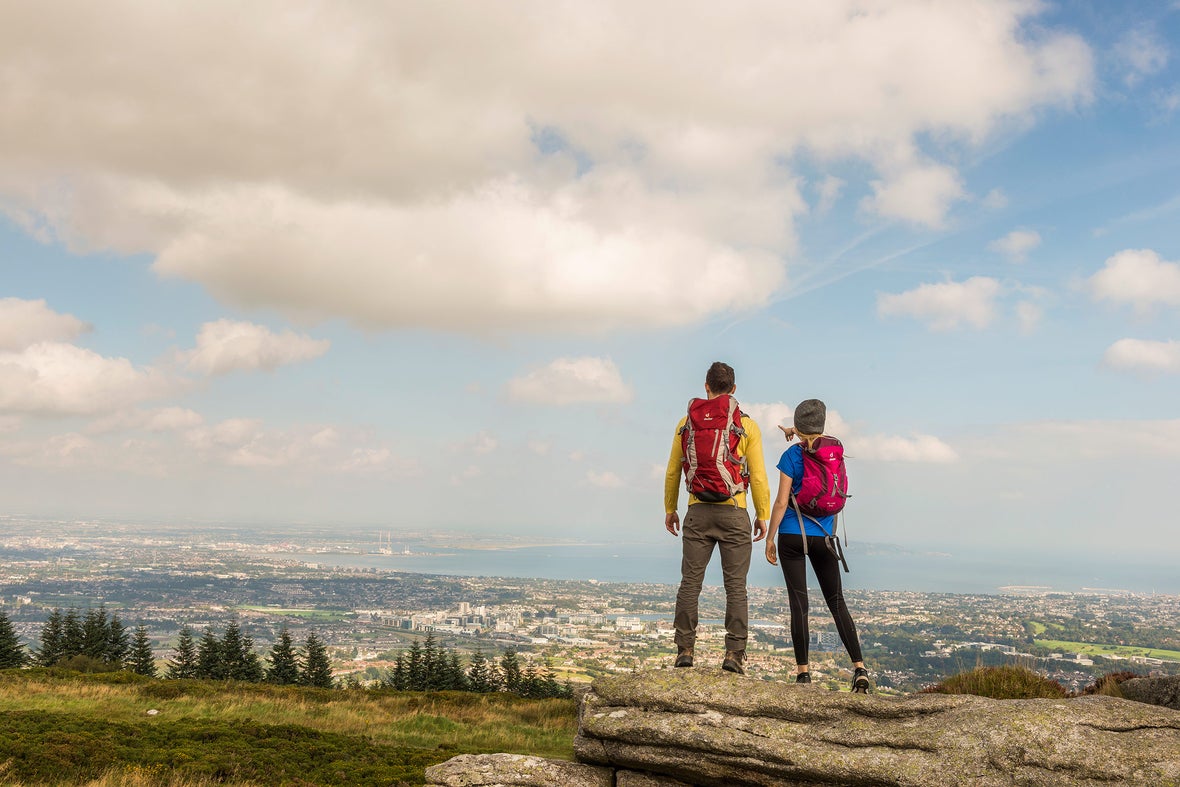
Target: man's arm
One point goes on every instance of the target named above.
(759, 486)
(672, 484)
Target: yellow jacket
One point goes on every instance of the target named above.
(750, 447)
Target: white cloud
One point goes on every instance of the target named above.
(1016, 244)
(61, 379)
(227, 345)
(1073, 440)
(1143, 355)
(58, 452)
(947, 305)
(893, 448)
(604, 480)
(995, 199)
(920, 194)
(828, 191)
(25, 323)
(9, 423)
(1028, 316)
(1138, 277)
(483, 443)
(164, 419)
(604, 189)
(540, 447)
(585, 380)
(1142, 53)
(857, 444)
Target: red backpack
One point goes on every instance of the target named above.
(713, 471)
(824, 486)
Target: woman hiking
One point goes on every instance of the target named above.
(787, 521)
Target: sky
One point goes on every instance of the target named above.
(461, 266)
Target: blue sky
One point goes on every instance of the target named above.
(462, 266)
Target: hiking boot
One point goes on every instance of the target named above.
(860, 681)
(733, 661)
(684, 657)
(803, 677)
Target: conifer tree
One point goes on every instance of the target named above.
(433, 665)
(184, 661)
(141, 660)
(51, 649)
(549, 685)
(238, 659)
(416, 668)
(118, 648)
(284, 665)
(96, 634)
(397, 678)
(510, 671)
(210, 664)
(456, 678)
(317, 668)
(479, 674)
(529, 682)
(12, 652)
(72, 635)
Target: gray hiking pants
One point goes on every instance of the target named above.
(728, 527)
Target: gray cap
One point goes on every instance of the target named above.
(810, 416)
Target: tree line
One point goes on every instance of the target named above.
(430, 667)
(98, 640)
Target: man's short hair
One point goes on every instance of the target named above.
(719, 378)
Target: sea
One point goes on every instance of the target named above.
(871, 567)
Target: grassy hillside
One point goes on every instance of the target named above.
(69, 728)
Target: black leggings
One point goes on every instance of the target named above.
(827, 571)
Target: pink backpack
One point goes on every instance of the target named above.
(824, 487)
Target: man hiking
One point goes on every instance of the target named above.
(718, 448)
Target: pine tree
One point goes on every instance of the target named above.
(239, 661)
(433, 665)
(118, 648)
(72, 634)
(397, 678)
(416, 668)
(456, 679)
(12, 652)
(96, 634)
(549, 685)
(510, 670)
(51, 649)
(210, 664)
(317, 668)
(141, 660)
(183, 664)
(530, 682)
(479, 675)
(284, 666)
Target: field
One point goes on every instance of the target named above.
(68, 728)
(1091, 649)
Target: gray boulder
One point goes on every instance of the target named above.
(516, 770)
(1154, 691)
(719, 729)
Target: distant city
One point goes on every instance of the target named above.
(334, 583)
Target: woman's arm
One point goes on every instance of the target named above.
(777, 512)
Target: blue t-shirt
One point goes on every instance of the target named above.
(791, 464)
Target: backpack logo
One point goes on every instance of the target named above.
(713, 472)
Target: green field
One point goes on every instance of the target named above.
(1090, 649)
(306, 614)
(61, 727)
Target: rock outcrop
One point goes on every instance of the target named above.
(671, 728)
(1164, 692)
